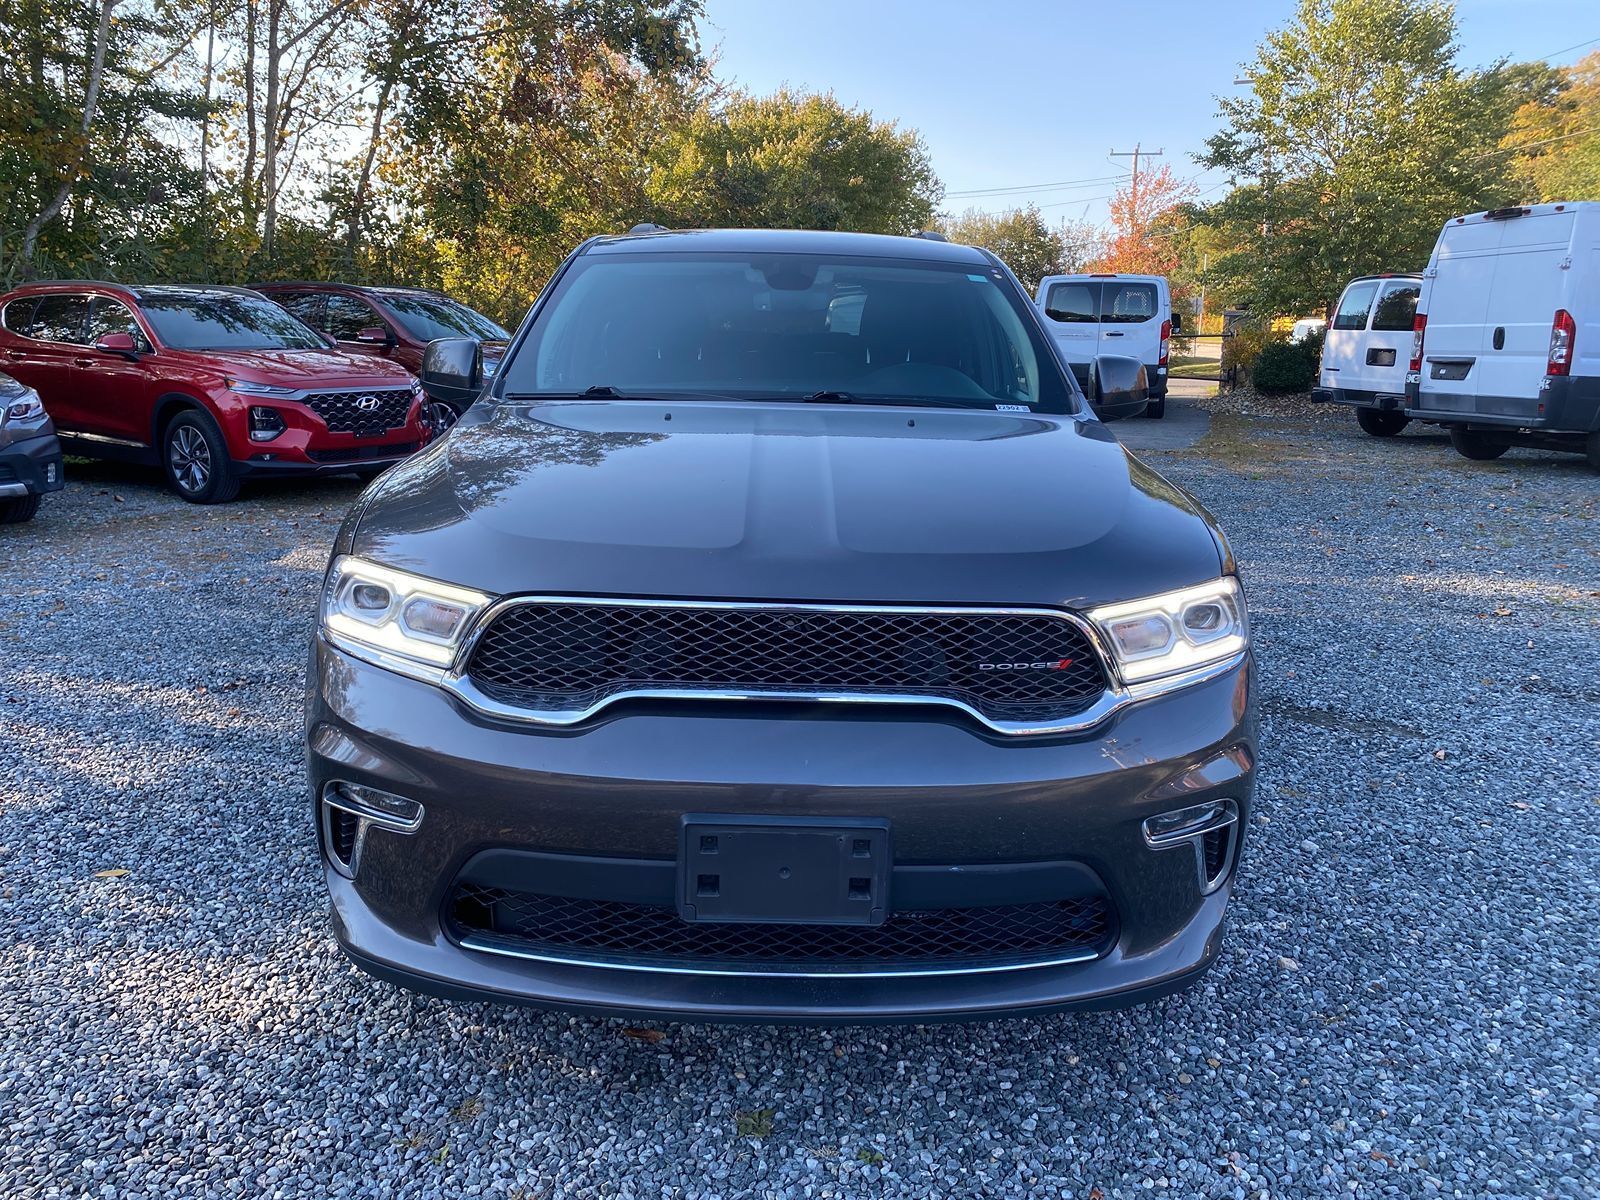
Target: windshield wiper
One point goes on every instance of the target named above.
(833, 397)
(604, 391)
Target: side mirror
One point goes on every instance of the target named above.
(1177, 321)
(1117, 387)
(374, 335)
(452, 370)
(121, 344)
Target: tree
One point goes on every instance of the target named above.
(1359, 137)
(1142, 224)
(792, 160)
(1020, 237)
(1556, 138)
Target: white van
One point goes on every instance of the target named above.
(1507, 344)
(1366, 348)
(1131, 315)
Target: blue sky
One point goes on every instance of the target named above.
(1014, 93)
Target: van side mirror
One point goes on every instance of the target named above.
(120, 344)
(1177, 321)
(452, 370)
(1118, 387)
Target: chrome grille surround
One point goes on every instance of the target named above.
(367, 412)
(459, 679)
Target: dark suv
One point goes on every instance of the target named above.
(213, 383)
(30, 455)
(782, 636)
(396, 323)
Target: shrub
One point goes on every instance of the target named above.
(1282, 367)
(1247, 342)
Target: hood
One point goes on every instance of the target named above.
(826, 503)
(305, 368)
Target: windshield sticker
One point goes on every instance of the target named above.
(1012, 408)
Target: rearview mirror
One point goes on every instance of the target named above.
(118, 343)
(452, 370)
(374, 335)
(1177, 321)
(1117, 387)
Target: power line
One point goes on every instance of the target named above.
(1062, 185)
(1565, 137)
(1564, 49)
(1134, 154)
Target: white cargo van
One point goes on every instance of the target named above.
(1366, 349)
(1507, 344)
(1131, 315)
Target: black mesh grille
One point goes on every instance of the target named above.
(1215, 844)
(650, 932)
(343, 829)
(365, 414)
(361, 453)
(569, 656)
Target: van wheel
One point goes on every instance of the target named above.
(1379, 423)
(1477, 445)
(15, 510)
(196, 459)
(1157, 408)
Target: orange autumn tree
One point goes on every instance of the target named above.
(1142, 217)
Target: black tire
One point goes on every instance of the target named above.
(196, 459)
(1379, 423)
(1593, 452)
(16, 509)
(1156, 408)
(1477, 445)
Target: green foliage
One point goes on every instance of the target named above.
(1241, 349)
(1020, 237)
(788, 159)
(1359, 137)
(1284, 367)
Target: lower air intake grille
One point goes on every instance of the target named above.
(651, 934)
(566, 656)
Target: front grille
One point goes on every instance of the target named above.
(572, 656)
(654, 934)
(365, 414)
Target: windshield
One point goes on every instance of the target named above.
(786, 327)
(225, 321)
(429, 317)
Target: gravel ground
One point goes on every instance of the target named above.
(1405, 1007)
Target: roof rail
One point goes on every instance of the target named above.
(931, 235)
(648, 227)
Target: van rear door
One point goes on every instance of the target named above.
(1456, 297)
(1342, 344)
(1384, 351)
(1072, 312)
(1130, 319)
(1529, 285)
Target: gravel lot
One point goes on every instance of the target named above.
(1406, 1006)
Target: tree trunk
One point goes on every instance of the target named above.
(269, 172)
(358, 203)
(91, 101)
(251, 116)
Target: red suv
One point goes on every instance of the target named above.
(214, 383)
(395, 322)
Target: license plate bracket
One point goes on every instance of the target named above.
(783, 870)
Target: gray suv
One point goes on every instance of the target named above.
(782, 636)
(30, 456)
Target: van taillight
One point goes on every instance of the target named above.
(1563, 332)
(1418, 327)
(1166, 335)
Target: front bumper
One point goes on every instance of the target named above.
(31, 466)
(964, 806)
(341, 462)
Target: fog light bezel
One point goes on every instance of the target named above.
(260, 430)
(1211, 816)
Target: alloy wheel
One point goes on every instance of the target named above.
(440, 417)
(190, 457)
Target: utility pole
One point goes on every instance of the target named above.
(1134, 154)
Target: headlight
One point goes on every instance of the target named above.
(1176, 632)
(245, 387)
(395, 619)
(26, 407)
